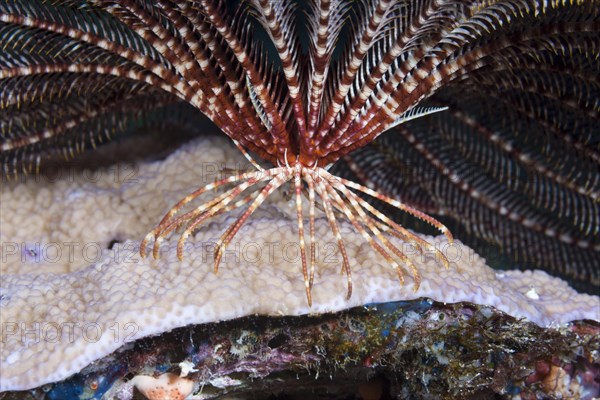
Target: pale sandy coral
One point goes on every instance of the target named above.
(64, 221)
(57, 317)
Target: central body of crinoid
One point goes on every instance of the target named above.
(336, 197)
(304, 111)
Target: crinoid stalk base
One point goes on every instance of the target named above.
(336, 198)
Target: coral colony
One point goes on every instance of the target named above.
(101, 303)
(506, 88)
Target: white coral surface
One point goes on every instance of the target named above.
(67, 300)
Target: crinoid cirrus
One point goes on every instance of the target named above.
(299, 83)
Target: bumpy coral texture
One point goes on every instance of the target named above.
(66, 299)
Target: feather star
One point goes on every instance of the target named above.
(302, 85)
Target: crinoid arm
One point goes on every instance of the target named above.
(336, 195)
